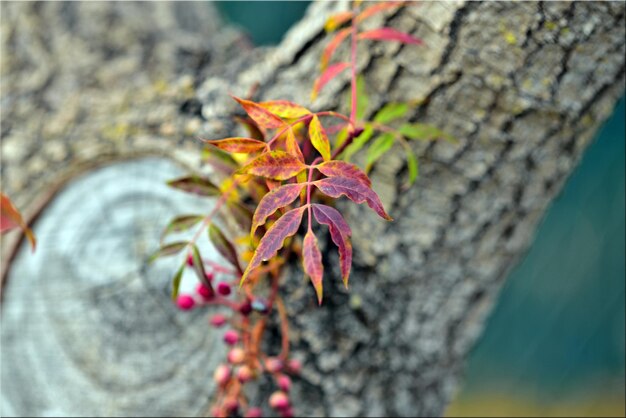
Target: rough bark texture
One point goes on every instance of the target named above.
(523, 86)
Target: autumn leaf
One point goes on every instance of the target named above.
(340, 234)
(319, 139)
(312, 263)
(337, 168)
(168, 250)
(332, 46)
(196, 185)
(263, 117)
(198, 266)
(274, 200)
(11, 218)
(277, 165)
(223, 245)
(238, 145)
(377, 8)
(180, 224)
(291, 145)
(285, 109)
(354, 190)
(389, 34)
(336, 20)
(286, 226)
(330, 73)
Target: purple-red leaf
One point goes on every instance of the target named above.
(336, 168)
(224, 246)
(389, 34)
(273, 240)
(330, 73)
(198, 266)
(285, 109)
(274, 200)
(263, 117)
(354, 190)
(312, 263)
(167, 250)
(319, 139)
(238, 145)
(339, 233)
(276, 165)
(332, 46)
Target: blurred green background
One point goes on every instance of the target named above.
(555, 342)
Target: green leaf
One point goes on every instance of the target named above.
(198, 265)
(424, 132)
(196, 185)
(411, 162)
(381, 145)
(167, 250)
(391, 112)
(181, 223)
(224, 246)
(176, 282)
(358, 142)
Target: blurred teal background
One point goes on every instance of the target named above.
(555, 343)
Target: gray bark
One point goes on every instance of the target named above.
(522, 86)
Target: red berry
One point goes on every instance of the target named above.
(231, 337)
(217, 412)
(209, 276)
(236, 356)
(284, 383)
(287, 412)
(223, 289)
(254, 413)
(279, 400)
(273, 364)
(190, 260)
(295, 366)
(245, 308)
(217, 320)
(222, 374)
(205, 291)
(244, 374)
(231, 405)
(185, 302)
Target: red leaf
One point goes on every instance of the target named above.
(285, 109)
(332, 46)
(337, 168)
(11, 218)
(259, 114)
(276, 165)
(337, 20)
(273, 240)
(238, 145)
(354, 190)
(272, 201)
(377, 8)
(318, 138)
(389, 34)
(339, 233)
(312, 263)
(330, 73)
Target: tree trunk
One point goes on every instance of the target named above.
(522, 86)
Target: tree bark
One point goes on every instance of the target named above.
(522, 86)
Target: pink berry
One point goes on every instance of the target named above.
(231, 337)
(273, 364)
(295, 366)
(284, 383)
(236, 356)
(217, 320)
(223, 289)
(217, 412)
(205, 291)
(231, 405)
(287, 412)
(222, 374)
(190, 260)
(209, 276)
(244, 374)
(279, 400)
(254, 413)
(185, 302)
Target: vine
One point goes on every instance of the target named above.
(287, 167)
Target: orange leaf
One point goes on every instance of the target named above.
(259, 114)
(291, 145)
(285, 109)
(312, 263)
(238, 145)
(274, 200)
(332, 46)
(337, 20)
(11, 218)
(319, 139)
(277, 165)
